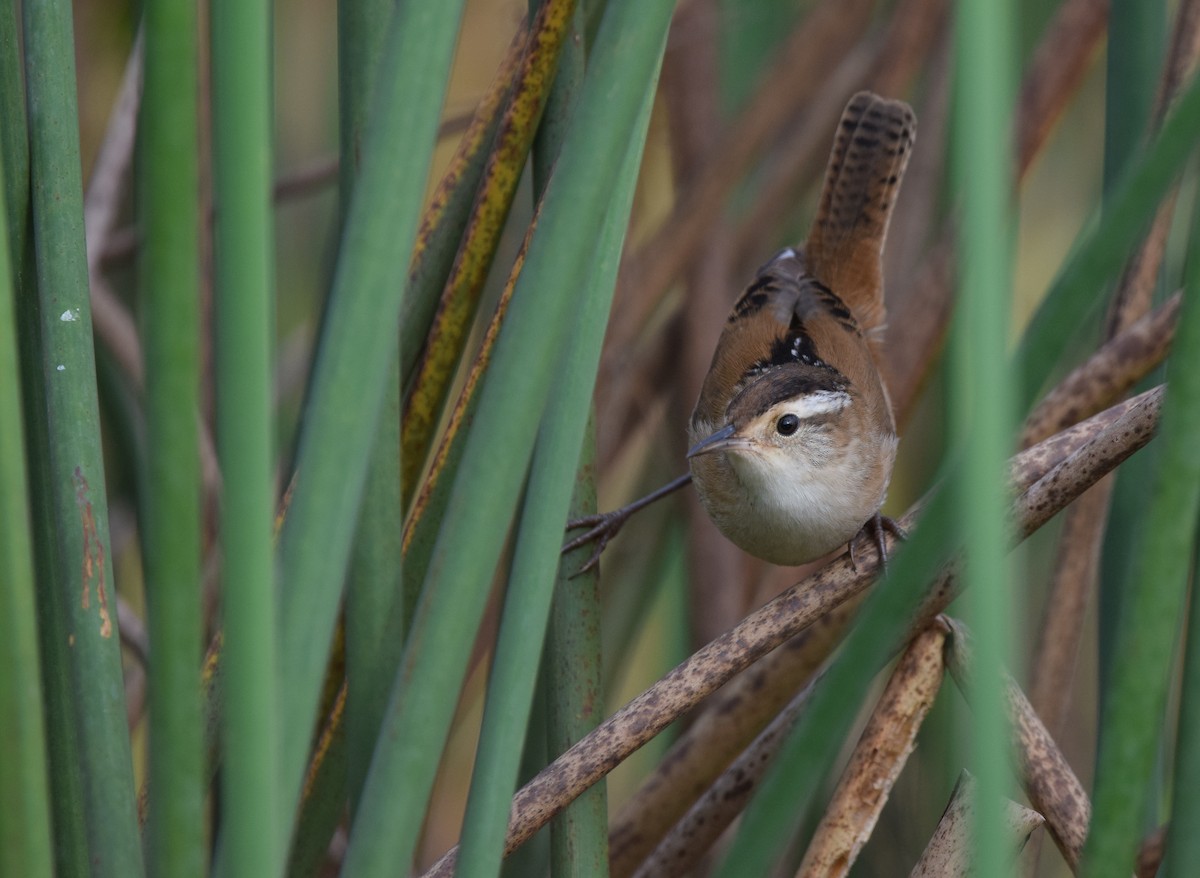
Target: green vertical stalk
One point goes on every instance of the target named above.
(1133, 710)
(427, 389)
(358, 345)
(66, 784)
(574, 672)
(560, 103)
(1183, 842)
(170, 283)
(85, 629)
(536, 559)
(373, 585)
(253, 812)
(14, 138)
(533, 856)
(1136, 40)
(69, 820)
(982, 393)
(1134, 61)
(361, 28)
(324, 802)
(511, 405)
(24, 803)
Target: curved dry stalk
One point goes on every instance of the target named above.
(879, 757)
(1091, 462)
(737, 712)
(949, 853)
(721, 803)
(1061, 61)
(133, 633)
(1075, 570)
(1114, 435)
(1111, 442)
(106, 192)
(1106, 375)
(731, 720)
(1028, 466)
(134, 638)
(1053, 789)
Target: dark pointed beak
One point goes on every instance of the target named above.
(722, 440)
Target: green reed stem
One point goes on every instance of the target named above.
(170, 282)
(253, 810)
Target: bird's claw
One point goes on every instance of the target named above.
(603, 527)
(873, 529)
(600, 529)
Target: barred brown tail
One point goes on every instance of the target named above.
(845, 247)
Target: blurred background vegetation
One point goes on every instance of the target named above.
(740, 127)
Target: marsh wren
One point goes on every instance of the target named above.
(793, 437)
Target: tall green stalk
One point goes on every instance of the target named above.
(66, 784)
(253, 810)
(361, 28)
(1183, 844)
(170, 275)
(68, 819)
(573, 672)
(357, 346)
(982, 393)
(511, 405)
(373, 586)
(84, 627)
(1133, 711)
(24, 803)
(1134, 61)
(14, 137)
(536, 560)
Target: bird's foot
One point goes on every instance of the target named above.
(600, 529)
(603, 527)
(873, 529)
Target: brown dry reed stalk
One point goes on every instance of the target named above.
(1087, 452)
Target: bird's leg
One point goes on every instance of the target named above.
(604, 526)
(873, 529)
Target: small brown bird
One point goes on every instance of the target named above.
(793, 434)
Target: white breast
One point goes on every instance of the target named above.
(781, 509)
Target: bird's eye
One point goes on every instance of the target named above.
(787, 425)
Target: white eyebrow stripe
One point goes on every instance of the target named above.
(819, 402)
